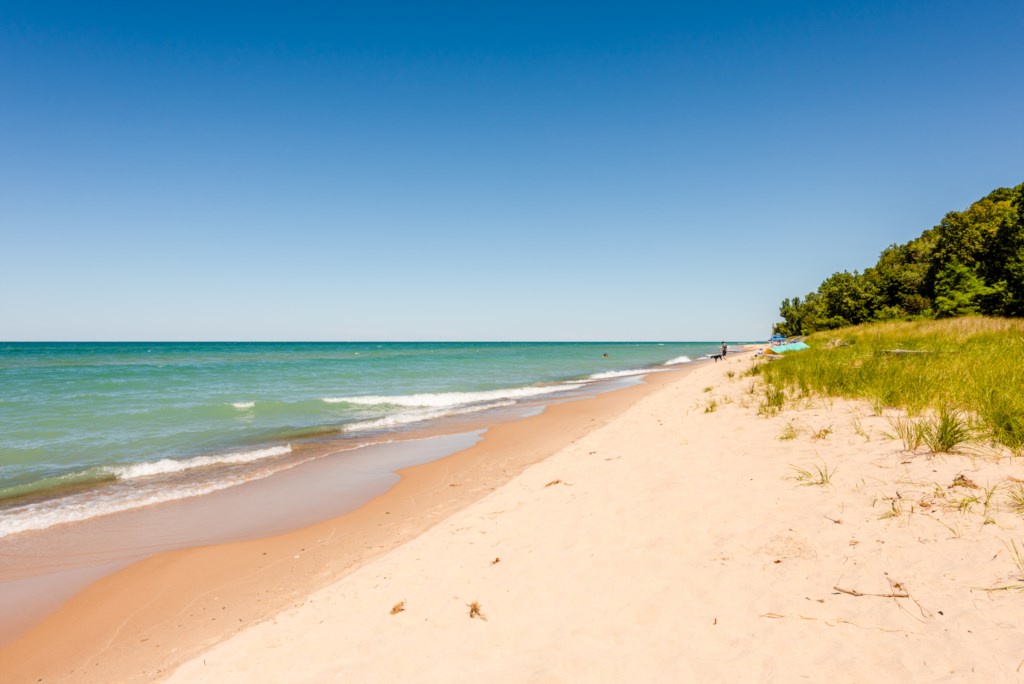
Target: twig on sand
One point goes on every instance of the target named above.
(898, 591)
(895, 593)
(838, 621)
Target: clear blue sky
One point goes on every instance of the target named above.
(480, 170)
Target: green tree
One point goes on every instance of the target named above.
(799, 317)
(1007, 259)
(959, 291)
(969, 240)
(899, 279)
(846, 299)
(971, 262)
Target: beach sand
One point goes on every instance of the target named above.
(660, 533)
(140, 622)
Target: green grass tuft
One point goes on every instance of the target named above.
(946, 431)
(1017, 556)
(1016, 497)
(774, 398)
(805, 478)
(907, 431)
(789, 432)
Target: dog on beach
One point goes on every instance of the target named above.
(717, 357)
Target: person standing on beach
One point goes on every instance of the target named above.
(725, 349)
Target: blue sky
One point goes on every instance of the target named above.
(477, 170)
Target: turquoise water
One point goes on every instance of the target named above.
(82, 424)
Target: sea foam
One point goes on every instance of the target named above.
(85, 505)
(170, 465)
(678, 360)
(421, 415)
(449, 399)
(608, 375)
(76, 508)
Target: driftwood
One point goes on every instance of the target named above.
(916, 351)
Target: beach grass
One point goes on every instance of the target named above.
(1016, 497)
(955, 379)
(791, 431)
(821, 477)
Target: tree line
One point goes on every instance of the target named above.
(971, 263)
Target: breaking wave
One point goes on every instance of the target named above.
(623, 373)
(411, 417)
(170, 465)
(40, 515)
(450, 399)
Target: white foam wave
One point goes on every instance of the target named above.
(244, 404)
(420, 416)
(83, 506)
(448, 399)
(170, 465)
(93, 504)
(678, 360)
(623, 373)
(77, 508)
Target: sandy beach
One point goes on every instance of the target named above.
(168, 601)
(665, 532)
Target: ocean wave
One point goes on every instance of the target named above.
(244, 404)
(170, 465)
(607, 375)
(449, 399)
(411, 417)
(81, 506)
(678, 360)
(77, 508)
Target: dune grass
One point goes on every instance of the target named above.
(961, 378)
(822, 476)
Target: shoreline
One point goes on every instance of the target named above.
(42, 569)
(327, 478)
(690, 538)
(139, 603)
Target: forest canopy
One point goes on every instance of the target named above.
(972, 262)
